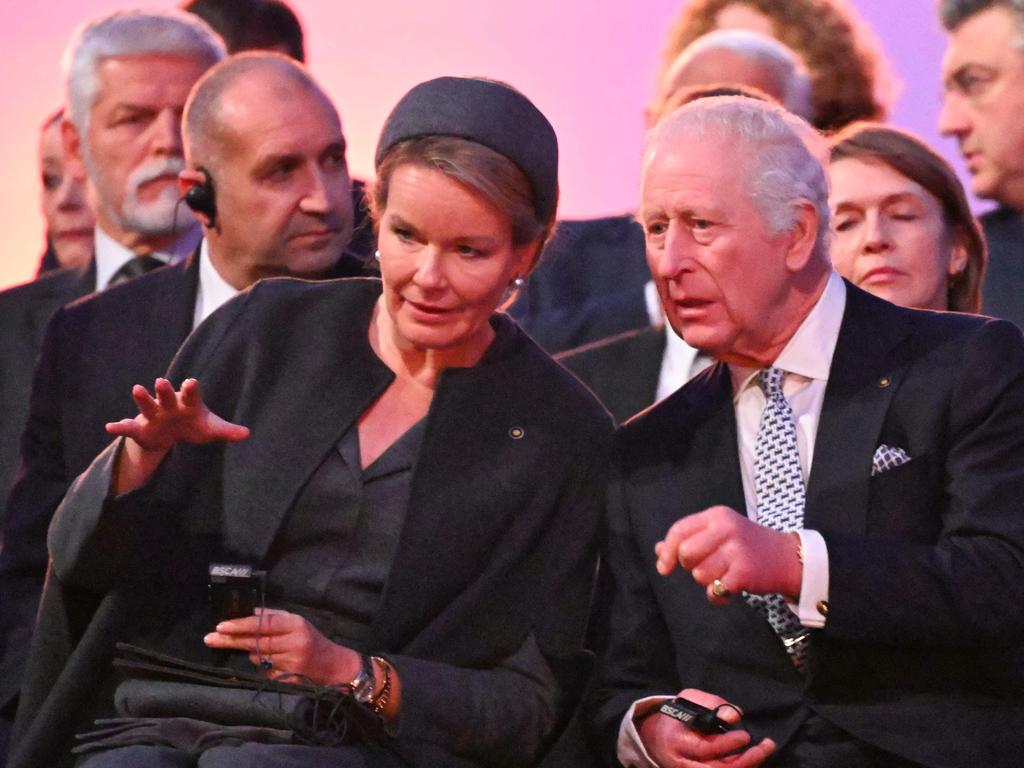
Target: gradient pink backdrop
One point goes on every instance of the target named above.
(589, 70)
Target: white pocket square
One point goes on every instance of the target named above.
(888, 457)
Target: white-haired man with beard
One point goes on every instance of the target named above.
(127, 78)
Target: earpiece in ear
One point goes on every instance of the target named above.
(202, 199)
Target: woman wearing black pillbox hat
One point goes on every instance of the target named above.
(420, 483)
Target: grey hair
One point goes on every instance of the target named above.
(777, 59)
(783, 161)
(130, 33)
(953, 13)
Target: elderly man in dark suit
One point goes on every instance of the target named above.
(824, 529)
(127, 79)
(96, 349)
(983, 76)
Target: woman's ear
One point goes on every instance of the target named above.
(958, 256)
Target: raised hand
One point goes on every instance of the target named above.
(674, 745)
(727, 552)
(170, 417)
(285, 644)
(174, 417)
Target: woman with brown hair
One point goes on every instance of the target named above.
(848, 75)
(903, 229)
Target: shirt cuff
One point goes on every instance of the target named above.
(813, 606)
(630, 749)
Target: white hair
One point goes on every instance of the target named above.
(783, 156)
(778, 61)
(130, 33)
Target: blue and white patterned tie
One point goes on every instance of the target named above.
(779, 485)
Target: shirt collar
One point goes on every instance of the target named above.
(808, 353)
(214, 290)
(678, 353)
(111, 255)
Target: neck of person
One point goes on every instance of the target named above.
(138, 243)
(421, 365)
(803, 294)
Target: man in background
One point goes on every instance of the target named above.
(127, 78)
(264, 143)
(983, 77)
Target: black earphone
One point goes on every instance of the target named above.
(202, 199)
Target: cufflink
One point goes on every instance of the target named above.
(822, 607)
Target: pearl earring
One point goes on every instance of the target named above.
(376, 255)
(518, 283)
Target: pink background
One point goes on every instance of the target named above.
(591, 71)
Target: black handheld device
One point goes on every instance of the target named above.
(695, 716)
(235, 590)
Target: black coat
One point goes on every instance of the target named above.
(923, 651)
(1002, 293)
(93, 352)
(622, 371)
(498, 541)
(24, 313)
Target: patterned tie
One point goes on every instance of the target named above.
(134, 267)
(779, 485)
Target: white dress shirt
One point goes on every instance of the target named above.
(806, 358)
(213, 289)
(111, 255)
(680, 362)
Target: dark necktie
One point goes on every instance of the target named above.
(779, 485)
(138, 265)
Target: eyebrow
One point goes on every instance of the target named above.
(897, 197)
(396, 220)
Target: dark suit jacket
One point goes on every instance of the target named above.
(94, 351)
(24, 312)
(923, 652)
(1002, 294)
(492, 523)
(622, 371)
(589, 284)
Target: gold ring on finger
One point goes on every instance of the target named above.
(718, 589)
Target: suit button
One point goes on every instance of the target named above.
(884, 382)
(822, 607)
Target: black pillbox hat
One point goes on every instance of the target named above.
(489, 113)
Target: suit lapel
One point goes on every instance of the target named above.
(708, 463)
(862, 380)
(710, 475)
(300, 419)
(169, 321)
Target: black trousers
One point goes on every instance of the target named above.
(246, 756)
(820, 744)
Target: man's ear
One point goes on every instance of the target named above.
(802, 236)
(72, 144)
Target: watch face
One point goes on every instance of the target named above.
(364, 683)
